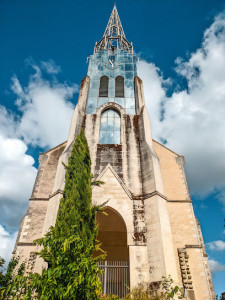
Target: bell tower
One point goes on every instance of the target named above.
(151, 230)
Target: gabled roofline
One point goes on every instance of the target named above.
(109, 166)
(43, 153)
(168, 148)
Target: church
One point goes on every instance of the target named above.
(150, 229)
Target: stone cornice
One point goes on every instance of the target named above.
(180, 201)
(194, 246)
(147, 196)
(39, 199)
(25, 244)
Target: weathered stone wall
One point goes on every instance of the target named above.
(33, 221)
(144, 182)
(109, 154)
(205, 259)
(79, 112)
(127, 153)
(131, 155)
(48, 162)
(139, 94)
(118, 198)
(147, 171)
(172, 170)
(150, 165)
(191, 258)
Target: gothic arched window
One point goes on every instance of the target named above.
(104, 86)
(110, 127)
(119, 89)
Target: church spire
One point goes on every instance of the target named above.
(114, 37)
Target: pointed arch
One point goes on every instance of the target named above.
(113, 234)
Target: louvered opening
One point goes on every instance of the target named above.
(119, 86)
(104, 83)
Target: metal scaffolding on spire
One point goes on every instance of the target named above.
(114, 37)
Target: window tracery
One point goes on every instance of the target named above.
(110, 127)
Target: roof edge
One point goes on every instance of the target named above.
(168, 148)
(43, 153)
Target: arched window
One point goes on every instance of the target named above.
(104, 85)
(110, 127)
(119, 89)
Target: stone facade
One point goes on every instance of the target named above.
(144, 186)
(145, 183)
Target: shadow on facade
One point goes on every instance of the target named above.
(113, 238)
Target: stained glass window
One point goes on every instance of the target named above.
(110, 127)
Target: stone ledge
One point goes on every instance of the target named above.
(147, 196)
(194, 246)
(39, 199)
(25, 244)
(180, 201)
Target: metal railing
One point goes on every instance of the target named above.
(115, 278)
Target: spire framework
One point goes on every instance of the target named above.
(114, 37)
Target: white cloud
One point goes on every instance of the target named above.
(216, 245)
(193, 120)
(44, 121)
(46, 109)
(17, 173)
(215, 266)
(50, 67)
(154, 91)
(8, 124)
(7, 244)
(221, 197)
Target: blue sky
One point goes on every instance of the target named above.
(181, 46)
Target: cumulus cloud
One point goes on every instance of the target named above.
(191, 120)
(8, 124)
(155, 93)
(17, 173)
(45, 107)
(216, 245)
(7, 243)
(16, 170)
(215, 266)
(44, 119)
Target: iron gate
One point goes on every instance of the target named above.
(115, 278)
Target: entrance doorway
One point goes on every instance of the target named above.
(113, 238)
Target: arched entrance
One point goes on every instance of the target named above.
(113, 238)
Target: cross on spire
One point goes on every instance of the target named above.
(114, 37)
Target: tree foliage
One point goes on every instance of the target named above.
(68, 247)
